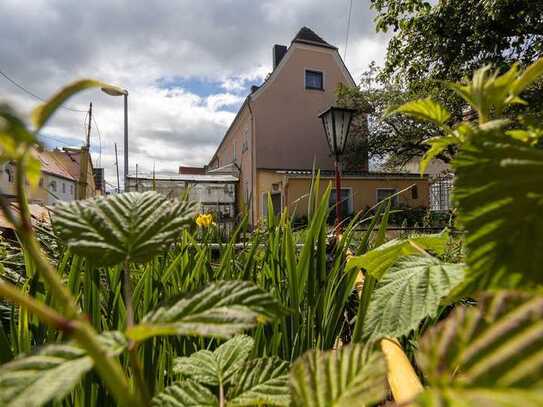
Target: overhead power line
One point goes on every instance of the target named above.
(36, 96)
(348, 28)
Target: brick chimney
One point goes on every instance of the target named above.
(279, 52)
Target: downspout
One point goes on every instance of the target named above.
(252, 195)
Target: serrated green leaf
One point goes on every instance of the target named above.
(487, 355)
(216, 367)
(51, 373)
(260, 382)
(438, 145)
(44, 111)
(133, 225)
(378, 260)
(352, 375)
(407, 293)
(425, 109)
(499, 193)
(186, 393)
(528, 77)
(221, 309)
(479, 397)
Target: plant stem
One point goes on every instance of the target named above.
(45, 313)
(221, 394)
(141, 385)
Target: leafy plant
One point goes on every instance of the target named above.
(352, 375)
(486, 355)
(240, 382)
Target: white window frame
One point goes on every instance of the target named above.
(323, 79)
(350, 201)
(395, 201)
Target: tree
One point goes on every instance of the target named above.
(394, 140)
(451, 38)
(435, 44)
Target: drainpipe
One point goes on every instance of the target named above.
(253, 164)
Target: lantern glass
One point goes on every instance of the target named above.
(337, 122)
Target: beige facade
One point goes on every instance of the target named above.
(292, 190)
(277, 128)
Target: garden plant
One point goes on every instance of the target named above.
(127, 302)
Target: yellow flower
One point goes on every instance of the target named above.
(204, 220)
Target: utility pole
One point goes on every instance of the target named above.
(117, 165)
(85, 161)
(89, 127)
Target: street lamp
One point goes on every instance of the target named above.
(337, 122)
(114, 91)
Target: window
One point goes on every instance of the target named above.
(314, 80)
(72, 189)
(234, 152)
(53, 186)
(63, 187)
(346, 201)
(384, 193)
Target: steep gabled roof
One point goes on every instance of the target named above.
(308, 36)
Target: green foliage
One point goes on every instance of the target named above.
(185, 394)
(499, 191)
(51, 373)
(248, 383)
(408, 292)
(260, 381)
(486, 355)
(498, 187)
(380, 259)
(445, 41)
(221, 309)
(217, 367)
(134, 226)
(351, 375)
(426, 109)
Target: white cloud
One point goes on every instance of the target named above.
(135, 43)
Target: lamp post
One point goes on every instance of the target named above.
(114, 91)
(337, 122)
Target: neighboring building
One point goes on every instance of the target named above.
(214, 193)
(66, 175)
(276, 137)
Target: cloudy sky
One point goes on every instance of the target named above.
(186, 64)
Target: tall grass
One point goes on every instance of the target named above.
(303, 269)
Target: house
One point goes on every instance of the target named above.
(66, 175)
(277, 138)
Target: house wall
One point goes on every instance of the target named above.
(239, 139)
(288, 133)
(295, 191)
(65, 190)
(364, 192)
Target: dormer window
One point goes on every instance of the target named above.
(314, 80)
